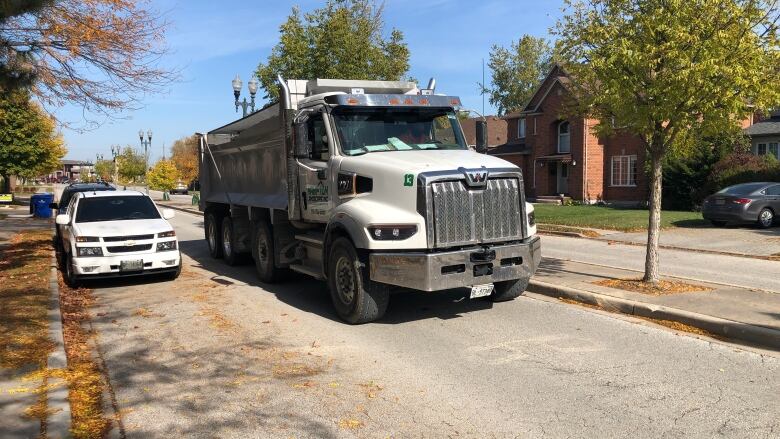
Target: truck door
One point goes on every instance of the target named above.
(313, 172)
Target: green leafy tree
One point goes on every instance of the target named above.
(342, 40)
(665, 69)
(104, 169)
(29, 144)
(163, 176)
(516, 72)
(131, 165)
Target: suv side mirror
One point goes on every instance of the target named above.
(482, 135)
(168, 213)
(62, 219)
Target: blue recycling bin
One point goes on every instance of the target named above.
(39, 204)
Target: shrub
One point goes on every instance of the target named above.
(742, 167)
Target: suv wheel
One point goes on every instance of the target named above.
(357, 299)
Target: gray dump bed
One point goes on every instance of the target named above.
(244, 162)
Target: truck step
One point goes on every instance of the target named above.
(308, 271)
(312, 237)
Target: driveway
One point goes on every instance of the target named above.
(744, 239)
(218, 354)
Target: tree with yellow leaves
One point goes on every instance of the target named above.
(163, 176)
(184, 154)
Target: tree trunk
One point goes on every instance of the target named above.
(654, 223)
(6, 186)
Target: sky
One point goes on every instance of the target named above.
(213, 41)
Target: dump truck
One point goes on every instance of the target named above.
(369, 186)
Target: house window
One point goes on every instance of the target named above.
(521, 128)
(564, 137)
(624, 171)
(761, 149)
(773, 149)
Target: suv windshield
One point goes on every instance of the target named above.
(122, 207)
(742, 189)
(363, 130)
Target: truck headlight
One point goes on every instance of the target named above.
(392, 232)
(166, 245)
(89, 251)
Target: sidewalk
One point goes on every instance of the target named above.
(736, 313)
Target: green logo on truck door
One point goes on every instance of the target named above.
(409, 180)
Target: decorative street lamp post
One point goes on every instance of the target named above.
(115, 150)
(146, 144)
(237, 83)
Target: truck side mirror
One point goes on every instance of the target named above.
(482, 136)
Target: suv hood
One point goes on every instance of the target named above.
(123, 228)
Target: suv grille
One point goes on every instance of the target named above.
(462, 216)
(127, 238)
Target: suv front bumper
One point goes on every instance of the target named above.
(458, 268)
(108, 266)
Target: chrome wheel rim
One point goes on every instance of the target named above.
(766, 218)
(262, 250)
(226, 240)
(345, 281)
(212, 236)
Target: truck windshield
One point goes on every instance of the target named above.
(362, 130)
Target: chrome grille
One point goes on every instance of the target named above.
(462, 216)
(127, 238)
(129, 248)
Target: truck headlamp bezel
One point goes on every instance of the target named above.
(391, 232)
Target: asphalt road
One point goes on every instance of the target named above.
(731, 270)
(217, 354)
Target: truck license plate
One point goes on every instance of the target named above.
(481, 290)
(136, 265)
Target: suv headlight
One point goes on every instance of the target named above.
(89, 251)
(168, 234)
(166, 245)
(87, 239)
(392, 232)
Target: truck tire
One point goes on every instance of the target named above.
(212, 223)
(508, 290)
(229, 242)
(357, 299)
(263, 253)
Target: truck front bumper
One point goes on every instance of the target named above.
(459, 268)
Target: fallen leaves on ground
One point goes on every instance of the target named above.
(661, 288)
(350, 424)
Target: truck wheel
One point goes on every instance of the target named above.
(229, 242)
(263, 253)
(356, 298)
(212, 226)
(508, 290)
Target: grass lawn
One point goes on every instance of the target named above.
(612, 218)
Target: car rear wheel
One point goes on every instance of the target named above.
(765, 218)
(357, 298)
(212, 226)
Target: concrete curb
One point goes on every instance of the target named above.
(58, 421)
(757, 335)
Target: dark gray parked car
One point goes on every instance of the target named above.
(744, 203)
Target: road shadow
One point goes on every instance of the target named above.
(692, 224)
(312, 296)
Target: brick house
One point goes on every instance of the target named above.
(496, 130)
(561, 155)
(765, 135)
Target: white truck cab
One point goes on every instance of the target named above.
(367, 185)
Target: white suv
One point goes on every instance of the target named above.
(116, 233)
